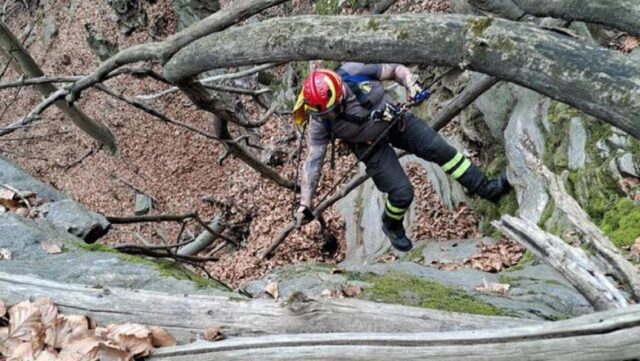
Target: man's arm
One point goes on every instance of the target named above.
(399, 73)
(311, 173)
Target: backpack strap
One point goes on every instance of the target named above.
(353, 82)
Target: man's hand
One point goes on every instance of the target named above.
(413, 90)
(303, 216)
(387, 114)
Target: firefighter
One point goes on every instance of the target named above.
(351, 104)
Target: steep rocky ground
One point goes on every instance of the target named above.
(179, 169)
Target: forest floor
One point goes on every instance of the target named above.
(176, 167)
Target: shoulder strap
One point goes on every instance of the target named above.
(353, 82)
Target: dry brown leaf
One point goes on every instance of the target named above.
(160, 337)
(67, 329)
(48, 311)
(332, 293)
(6, 194)
(131, 337)
(10, 204)
(24, 321)
(23, 351)
(110, 352)
(272, 289)
(51, 247)
(630, 43)
(85, 349)
(213, 333)
(490, 287)
(352, 291)
(23, 212)
(47, 355)
(5, 254)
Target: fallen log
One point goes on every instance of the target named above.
(186, 316)
(598, 337)
(573, 263)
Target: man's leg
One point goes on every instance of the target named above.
(420, 139)
(387, 174)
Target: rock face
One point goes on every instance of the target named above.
(537, 291)
(189, 11)
(57, 208)
(129, 14)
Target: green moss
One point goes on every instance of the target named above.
(416, 254)
(175, 270)
(372, 24)
(478, 26)
(595, 189)
(327, 7)
(95, 247)
(547, 213)
(303, 269)
(399, 288)
(622, 223)
(504, 45)
(403, 35)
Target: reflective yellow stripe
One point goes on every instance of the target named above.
(394, 209)
(461, 169)
(394, 216)
(450, 164)
(332, 100)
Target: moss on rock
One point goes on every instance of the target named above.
(622, 223)
(399, 288)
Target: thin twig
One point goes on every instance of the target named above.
(136, 189)
(217, 234)
(152, 218)
(143, 250)
(156, 113)
(228, 89)
(17, 192)
(91, 151)
(44, 136)
(215, 78)
(168, 246)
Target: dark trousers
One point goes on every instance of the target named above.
(414, 136)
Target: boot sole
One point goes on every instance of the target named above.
(395, 245)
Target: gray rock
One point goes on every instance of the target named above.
(613, 168)
(101, 47)
(450, 251)
(603, 149)
(496, 105)
(627, 166)
(523, 135)
(76, 219)
(635, 54)
(143, 204)
(24, 237)
(577, 154)
(189, 11)
(49, 29)
(58, 209)
(129, 14)
(619, 140)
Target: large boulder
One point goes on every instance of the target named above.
(189, 11)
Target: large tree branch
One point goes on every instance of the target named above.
(618, 14)
(612, 335)
(601, 82)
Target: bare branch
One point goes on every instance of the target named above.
(242, 91)
(207, 81)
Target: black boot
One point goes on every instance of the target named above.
(394, 230)
(477, 183)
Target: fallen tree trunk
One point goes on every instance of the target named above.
(573, 263)
(618, 14)
(186, 316)
(597, 337)
(554, 65)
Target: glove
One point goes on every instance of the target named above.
(303, 216)
(421, 96)
(387, 114)
(413, 90)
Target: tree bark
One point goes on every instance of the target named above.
(204, 239)
(462, 100)
(600, 82)
(185, 316)
(25, 64)
(598, 337)
(618, 14)
(573, 263)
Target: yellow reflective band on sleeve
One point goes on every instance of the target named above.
(299, 111)
(391, 208)
(452, 163)
(461, 169)
(394, 216)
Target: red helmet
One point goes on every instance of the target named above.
(322, 91)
